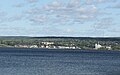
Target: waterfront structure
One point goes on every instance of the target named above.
(108, 47)
(97, 46)
(48, 43)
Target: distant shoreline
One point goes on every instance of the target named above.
(61, 49)
(81, 43)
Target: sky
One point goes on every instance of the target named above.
(75, 18)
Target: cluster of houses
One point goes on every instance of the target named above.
(98, 46)
(26, 46)
(49, 45)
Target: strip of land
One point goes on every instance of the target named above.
(96, 43)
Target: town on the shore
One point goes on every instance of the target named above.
(50, 45)
(61, 43)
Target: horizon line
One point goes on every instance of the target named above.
(62, 36)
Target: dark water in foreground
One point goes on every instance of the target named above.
(58, 62)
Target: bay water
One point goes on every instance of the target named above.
(21, 61)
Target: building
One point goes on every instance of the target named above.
(33, 46)
(47, 43)
(97, 46)
(108, 47)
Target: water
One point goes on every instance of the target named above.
(58, 62)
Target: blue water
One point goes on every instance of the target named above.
(19, 61)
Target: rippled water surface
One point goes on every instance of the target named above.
(58, 62)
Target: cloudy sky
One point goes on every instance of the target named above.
(81, 18)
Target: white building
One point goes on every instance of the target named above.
(108, 47)
(48, 43)
(33, 46)
(97, 46)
